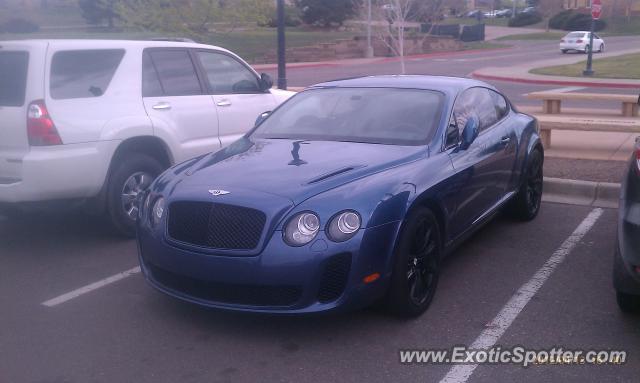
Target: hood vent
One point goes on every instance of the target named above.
(333, 173)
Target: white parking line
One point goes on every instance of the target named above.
(88, 288)
(499, 325)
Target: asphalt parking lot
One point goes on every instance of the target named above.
(127, 332)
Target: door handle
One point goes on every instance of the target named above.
(505, 140)
(162, 106)
(224, 102)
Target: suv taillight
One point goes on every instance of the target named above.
(40, 128)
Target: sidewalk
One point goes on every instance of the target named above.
(520, 73)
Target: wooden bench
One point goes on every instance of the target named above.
(551, 101)
(549, 122)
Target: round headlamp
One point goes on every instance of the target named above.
(343, 226)
(301, 229)
(157, 211)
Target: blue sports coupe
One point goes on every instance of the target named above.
(348, 194)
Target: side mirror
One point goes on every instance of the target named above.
(261, 118)
(266, 82)
(469, 133)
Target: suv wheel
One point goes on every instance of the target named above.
(129, 177)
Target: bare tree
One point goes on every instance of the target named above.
(398, 15)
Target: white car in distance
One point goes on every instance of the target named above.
(579, 41)
(95, 121)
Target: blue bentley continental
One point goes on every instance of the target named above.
(348, 194)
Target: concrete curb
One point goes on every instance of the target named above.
(585, 193)
(550, 81)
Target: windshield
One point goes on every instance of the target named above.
(372, 115)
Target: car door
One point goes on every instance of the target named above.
(236, 91)
(181, 112)
(480, 179)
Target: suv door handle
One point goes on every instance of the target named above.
(505, 140)
(224, 102)
(162, 106)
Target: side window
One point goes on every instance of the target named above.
(176, 72)
(83, 73)
(477, 103)
(151, 86)
(500, 103)
(226, 75)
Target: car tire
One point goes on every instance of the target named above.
(416, 267)
(525, 206)
(586, 49)
(628, 303)
(601, 50)
(564, 51)
(129, 176)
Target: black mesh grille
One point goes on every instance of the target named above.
(334, 278)
(216, 226)
(253, 295)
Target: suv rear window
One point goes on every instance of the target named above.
(82, 74)
(13, 77)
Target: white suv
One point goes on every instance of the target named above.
(97, 121)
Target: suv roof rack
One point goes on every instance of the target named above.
(174, 39)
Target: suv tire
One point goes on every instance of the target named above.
(130, 175)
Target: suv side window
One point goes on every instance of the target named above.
(175, 71)
(226, 75)
(151, 86)
(83, 73)
(500, 103)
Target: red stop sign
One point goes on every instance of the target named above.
(596, 9)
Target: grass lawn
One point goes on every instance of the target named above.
(484, 45)
(249, 44)
(621, 67)
(534, 36)
(498, 21)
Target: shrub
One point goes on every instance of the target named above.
(570, 20)
(326, 12)
(291, 18)
(582, 22)
(559, 20)
(524, 19)
(19, 26)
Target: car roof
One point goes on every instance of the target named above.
(444, 84)
(93, 44)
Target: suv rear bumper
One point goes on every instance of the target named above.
(56, 172)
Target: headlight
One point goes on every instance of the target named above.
(157, 212)
(301, 229)
(343, 226)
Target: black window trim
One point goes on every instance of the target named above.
(203, 71)
(201, 82)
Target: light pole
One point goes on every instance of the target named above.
(369, 53)
(513, 14)
(282, 70)
(589, 70)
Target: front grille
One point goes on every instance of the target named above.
(334, 278)
(251, 295)
(215, 226)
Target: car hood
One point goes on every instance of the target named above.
(293, 169)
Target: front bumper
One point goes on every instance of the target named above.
(55, 172)
(281, 279)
